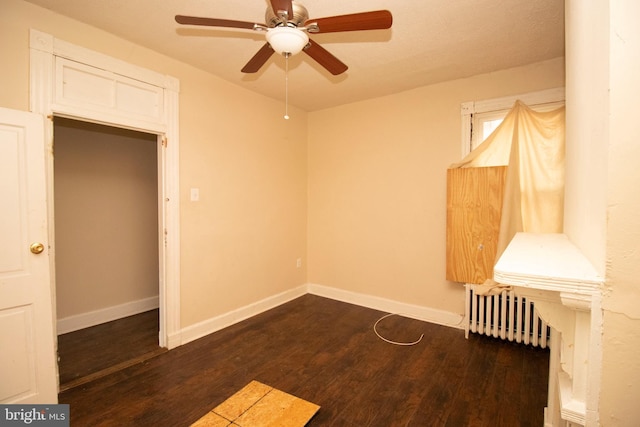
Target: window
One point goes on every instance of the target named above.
(481, 118)
(483, 124)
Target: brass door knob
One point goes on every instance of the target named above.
(36, 248)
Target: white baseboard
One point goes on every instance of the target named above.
(173, 340)
(93, 318)
(418, 312)
(214, 324)
(199, 330)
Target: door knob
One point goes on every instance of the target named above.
(36, 248)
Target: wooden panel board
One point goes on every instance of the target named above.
(474, 205)
(258, 404)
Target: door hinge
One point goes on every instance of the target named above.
(165, 142)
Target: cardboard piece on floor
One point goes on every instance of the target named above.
(259, 405)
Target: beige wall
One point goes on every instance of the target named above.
(241, 241)
(377, 186)
(603, 59)
(106, 210)
(621, 340)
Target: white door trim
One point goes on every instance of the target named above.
(46, 53)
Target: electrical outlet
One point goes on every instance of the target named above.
(299, 263)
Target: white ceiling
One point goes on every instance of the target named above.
(430, 41)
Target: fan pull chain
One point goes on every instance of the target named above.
(286, 85)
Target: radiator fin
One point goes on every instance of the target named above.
(506, 316)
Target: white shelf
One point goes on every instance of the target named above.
(548, 262)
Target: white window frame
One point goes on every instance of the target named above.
(474, 112)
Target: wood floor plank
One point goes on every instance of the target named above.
(326, 352)
(86, 352)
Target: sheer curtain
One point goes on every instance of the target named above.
(532, 145)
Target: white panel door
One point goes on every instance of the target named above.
(28, 370)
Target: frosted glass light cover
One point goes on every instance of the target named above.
(287, 39)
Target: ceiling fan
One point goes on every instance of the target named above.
(287, 27)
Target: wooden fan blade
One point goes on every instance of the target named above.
(375, 20)
(213, 22)
(285, 5)
(258, 59)
(324, 58)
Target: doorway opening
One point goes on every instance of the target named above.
(67, 80)
(107, 264)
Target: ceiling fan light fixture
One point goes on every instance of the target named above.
(287, 27)
(287, 40)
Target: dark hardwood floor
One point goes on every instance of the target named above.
(326, 352)
(93, 352)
